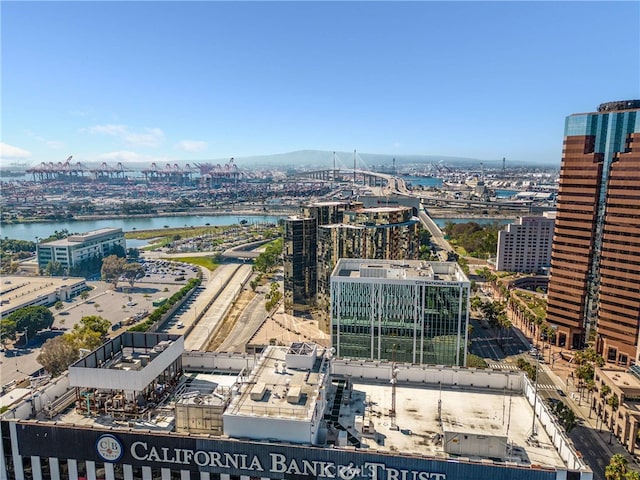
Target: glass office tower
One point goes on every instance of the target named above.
(412, 311)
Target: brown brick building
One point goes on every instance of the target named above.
(595, 260)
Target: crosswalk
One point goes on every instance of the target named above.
(510, 366)
(546, 386)
(502, 366)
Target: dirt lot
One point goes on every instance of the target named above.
(231, 319)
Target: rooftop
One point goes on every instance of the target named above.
(18, 291)
(467, 411)
(398, 270)
(430, 411)
(275, 389)
(83, 237)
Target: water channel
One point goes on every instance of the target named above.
(29, 231)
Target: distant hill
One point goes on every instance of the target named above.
(321, 159)
(324, 159)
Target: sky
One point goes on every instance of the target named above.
(157, 81)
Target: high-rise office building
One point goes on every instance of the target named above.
(595, 259)
(525, 246)
(299, 263)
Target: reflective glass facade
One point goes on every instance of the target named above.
(403, 319)
(596, 244)
(299, 263)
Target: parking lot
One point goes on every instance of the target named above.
(128, 305)
(162, 279)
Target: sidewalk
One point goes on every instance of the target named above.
(560, 371)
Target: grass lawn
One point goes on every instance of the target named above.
(206, 262)
(170, 232)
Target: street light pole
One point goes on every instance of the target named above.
(535, 398)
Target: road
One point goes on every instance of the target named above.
(485, 342)
(205, 315)
(440, 244)
(249, 321)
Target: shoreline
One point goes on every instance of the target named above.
(433, 213)
(211, 213)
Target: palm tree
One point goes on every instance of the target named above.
(617, 468)
(632, 475)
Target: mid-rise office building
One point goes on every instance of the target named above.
(595, 258)
(525, 246)
(410, 311)
(140, 407)
(83, 247)
(22, 291)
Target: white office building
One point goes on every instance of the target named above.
(139, 407)
(82, 247)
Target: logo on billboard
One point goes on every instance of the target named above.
(109, 448)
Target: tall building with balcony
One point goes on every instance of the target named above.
(410, 311)
(327, 213)
(82, 247)
(595, 258)
(384, 233)
(342, 230)
(525, 246)
(299, 252)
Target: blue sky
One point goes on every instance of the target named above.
(164, 81)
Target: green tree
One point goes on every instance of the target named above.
(30, 320)
(585, 362)
(529, 369)
(54, 269)
(474, 361)
(133, 272)
(268, 259)
(274, 297)
(424, 236)
(84, 295)
(565, 416)
(94, 323)
(58, 353)
(478, 240)
(7, 329)
(112, 269)
(617, 468)
(613, 402)
(632, 475)
(59, 305)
